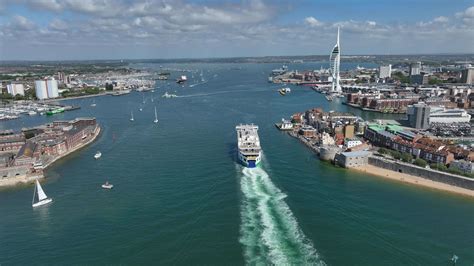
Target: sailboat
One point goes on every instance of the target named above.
(42, 198)
(156, 117)
(143, 99)
(131, 118)
(93, 103)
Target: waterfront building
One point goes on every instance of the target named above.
(443, 115)
(378, 136)
(467, 75)
(326, 139)
(308, 131)
(15, 89)
(28, 154)
(418, 115)
(11, 142)
(385, 71)
(335, 61)
(46, 89)
(352, 159)
(352, 142)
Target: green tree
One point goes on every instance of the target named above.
(439, 166)
(455, 171)
(406, 157)
(383, 151)
(420, 162)
(396, 154)
(434, 81)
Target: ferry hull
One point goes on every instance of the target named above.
(249, 163)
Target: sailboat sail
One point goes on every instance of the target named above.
(41, 194)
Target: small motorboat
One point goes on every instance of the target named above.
(98, 155)
(284, 91)
(107, 185)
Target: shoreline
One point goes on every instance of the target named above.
(396, 176)
(25, 179)
(96, 134)
(411, 179)
(74, 97)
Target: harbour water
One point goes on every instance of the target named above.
(181, 197)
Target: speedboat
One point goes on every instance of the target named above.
(107, 185)
(98, 155)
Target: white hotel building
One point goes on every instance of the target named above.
(15, 89)
(46, 89)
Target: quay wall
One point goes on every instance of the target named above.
(10, 176)
(430, 174)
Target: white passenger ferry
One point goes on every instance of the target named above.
(248, 143)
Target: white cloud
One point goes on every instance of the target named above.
(57, 24)
(441, 19)
(52, 5)
(313, 22)
(229, 27)
(21, 23)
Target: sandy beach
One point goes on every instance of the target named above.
(402, 177)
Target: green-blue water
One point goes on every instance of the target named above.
(180, 197)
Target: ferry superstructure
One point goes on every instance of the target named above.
(248, 142)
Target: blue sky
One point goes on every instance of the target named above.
(107, 29)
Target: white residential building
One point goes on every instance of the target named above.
(15, 89)
(349, 143)
(326, 139)
(46, 89)
(385, 71)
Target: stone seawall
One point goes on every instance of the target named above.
(429, 174)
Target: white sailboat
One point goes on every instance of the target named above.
(156, 117)
(42, 198)
(93, 103)
(131, 118)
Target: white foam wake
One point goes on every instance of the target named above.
(269, 231)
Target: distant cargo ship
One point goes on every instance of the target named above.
(248, 142)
